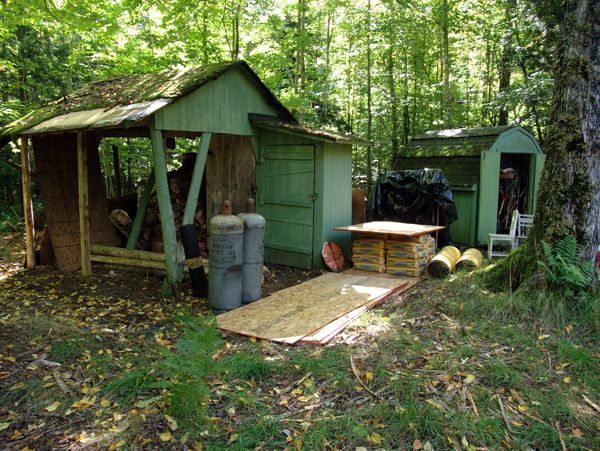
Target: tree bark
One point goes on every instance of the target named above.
(369, 113)
(393, 102)
(569, 195)
(446, 44)
(506, 61)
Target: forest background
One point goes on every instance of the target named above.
(387, 70)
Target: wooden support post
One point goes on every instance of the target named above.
(117, 171)
(27, 203)
(136, 226)
(84, 212)
(167, 220)
(196, 183)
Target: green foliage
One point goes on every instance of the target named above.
(564, 270)
(186, 369)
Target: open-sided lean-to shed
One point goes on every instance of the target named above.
(472, 160)
(302, 181)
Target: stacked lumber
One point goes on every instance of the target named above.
(408, 257)
(151, 238)
(369, 254)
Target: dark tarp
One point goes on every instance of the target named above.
(414, 196)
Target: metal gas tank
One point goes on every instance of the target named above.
(254, 250)
(225, 258)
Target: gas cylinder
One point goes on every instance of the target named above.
(225, 257)
(254, 245)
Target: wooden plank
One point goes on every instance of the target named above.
(98, 249)
(127, 261)
(230, 173)
(327, 332)
(391, 228)
(27, 203)
(84, 212)
(164, 205)
(196, 182)
(293, 313)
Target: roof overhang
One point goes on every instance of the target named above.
(121, 115)
(275, 124)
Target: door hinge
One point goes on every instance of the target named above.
(313, 196)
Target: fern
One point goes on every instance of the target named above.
(186, 369)
(563, 269)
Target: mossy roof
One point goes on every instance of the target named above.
(461, 142)
(143, 90)
(278, 124)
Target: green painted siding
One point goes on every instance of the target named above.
(284, 199)
(337, 195)
(331, 181)
(488, 195)
(220, 106)
(463, 229)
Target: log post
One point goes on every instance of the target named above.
(196, 183)
(84, 212)
(167, 219)
(117, 171)
(27, 203)
(136, 226)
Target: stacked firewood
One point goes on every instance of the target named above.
(151, 238)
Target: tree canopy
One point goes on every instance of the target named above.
(386, 70)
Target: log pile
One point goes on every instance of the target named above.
(179, 184)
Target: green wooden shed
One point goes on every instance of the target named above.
(475, 160)
(250, 145)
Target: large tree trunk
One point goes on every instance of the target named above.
(569, 195)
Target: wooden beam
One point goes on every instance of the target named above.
(27, 203)
(98, 249)
(140, 213)
(124, 261)
(196, 182)
(167, 220)
(84, 212)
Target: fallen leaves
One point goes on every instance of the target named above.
(52, 407)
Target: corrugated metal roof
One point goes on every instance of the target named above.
(460, 142)
(104, 103)
(275, 123)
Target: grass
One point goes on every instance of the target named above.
(240, 394)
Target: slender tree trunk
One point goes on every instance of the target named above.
(300, 57)
(506, 61)
(405, 104)
(369, 113)
(569, 195)
(447, 93)
(393, 102)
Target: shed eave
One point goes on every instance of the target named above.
(98, 118)
(275, 124)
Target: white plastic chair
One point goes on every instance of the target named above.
(524, 227)
(506, 241)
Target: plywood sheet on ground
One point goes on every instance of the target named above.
(391, 228)
(328, 331)
(290, 314)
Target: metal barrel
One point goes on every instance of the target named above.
(225, 258)
(254, 245)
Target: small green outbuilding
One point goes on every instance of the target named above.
(250, 145)
(476, 162)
